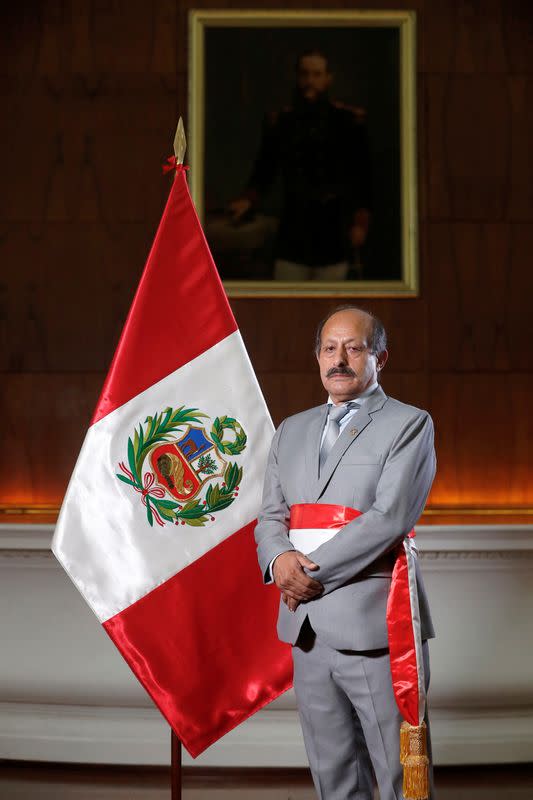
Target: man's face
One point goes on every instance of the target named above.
(312, 77)
(347, 367)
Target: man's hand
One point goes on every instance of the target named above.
(291, 604)
(292, 581)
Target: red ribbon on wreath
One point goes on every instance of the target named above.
(147, 490)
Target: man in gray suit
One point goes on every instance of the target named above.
(366, 451)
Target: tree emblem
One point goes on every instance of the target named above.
(171, 460)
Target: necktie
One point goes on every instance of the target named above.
(336, 413)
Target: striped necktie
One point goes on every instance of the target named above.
(336, 414)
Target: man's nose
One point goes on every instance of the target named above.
(340, 357)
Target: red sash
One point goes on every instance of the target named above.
(403, 616)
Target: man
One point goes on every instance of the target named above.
(369, 452)
(321, 150)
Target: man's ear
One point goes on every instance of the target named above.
(381, 359)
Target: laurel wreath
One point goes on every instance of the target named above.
(228, 446)
(195, 512)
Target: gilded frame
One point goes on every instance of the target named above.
(405, 22)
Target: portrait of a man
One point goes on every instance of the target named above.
(302, 160)
(320, 149)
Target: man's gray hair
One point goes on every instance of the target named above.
(378, 334)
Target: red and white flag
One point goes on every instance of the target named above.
(156, 528)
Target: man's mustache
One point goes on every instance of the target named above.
(340, 371)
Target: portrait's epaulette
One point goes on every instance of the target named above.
(358, 111)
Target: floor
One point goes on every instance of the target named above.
(24, 781)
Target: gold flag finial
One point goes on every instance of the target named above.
(180, 142)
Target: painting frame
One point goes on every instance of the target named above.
(200, 22)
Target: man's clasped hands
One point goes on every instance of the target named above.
(294, 584)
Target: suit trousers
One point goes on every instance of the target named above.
(349, 719)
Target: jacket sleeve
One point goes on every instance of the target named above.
(271, 531)
(401, 493)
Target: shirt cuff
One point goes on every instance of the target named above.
(269, 577)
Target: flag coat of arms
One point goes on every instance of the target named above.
(156, 528)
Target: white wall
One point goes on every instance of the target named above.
(66, 694)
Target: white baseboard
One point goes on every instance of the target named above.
(67, 695)
(106, 735)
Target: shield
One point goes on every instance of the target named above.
(184, 465)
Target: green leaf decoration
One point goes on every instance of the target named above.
(125, 480)
(232, 446)
(157, 428)
(149, 513)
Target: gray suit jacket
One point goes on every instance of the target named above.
(382, 464)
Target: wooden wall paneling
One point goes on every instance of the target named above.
(66, 303)
(406, 325)
(478, 291)
(20, 35)
(517, 26)
(46, 416)
(18, 333)
(289, 393)
(33, 157)
(409, 387)
(520, 196)
(435, 99)
(519, 456)
(436, 35)
(477, 438)
(51, 58)
(477, 139)
(479, 41)
(465, 37)
(92, 93)
(422, 159)
(121, 35)
(518, 320)
(87, 306)
(165, 43)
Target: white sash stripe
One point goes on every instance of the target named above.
(410, 552)
(308, 539)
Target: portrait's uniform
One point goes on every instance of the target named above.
(383, 465)
(321, 152)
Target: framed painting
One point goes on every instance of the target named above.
(302, 132)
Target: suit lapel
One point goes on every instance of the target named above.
(351, 432)
(312, 448)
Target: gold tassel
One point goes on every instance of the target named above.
(416, 763)
(404, 741)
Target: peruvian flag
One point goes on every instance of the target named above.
(156, 528)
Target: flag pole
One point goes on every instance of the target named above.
(180, 144)
(175, 767)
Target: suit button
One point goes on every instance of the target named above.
(354, 432)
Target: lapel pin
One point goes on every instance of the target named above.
(354, 431)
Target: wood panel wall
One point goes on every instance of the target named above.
(91, 94)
